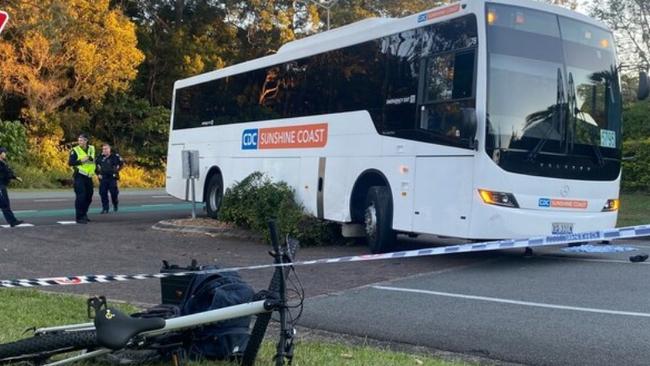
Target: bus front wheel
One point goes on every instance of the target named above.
(214, 195)
(378, 220)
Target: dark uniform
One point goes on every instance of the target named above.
(6, 175)
(108, 168)
(83, 182)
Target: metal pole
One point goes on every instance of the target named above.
(328, 18)
(193, 200)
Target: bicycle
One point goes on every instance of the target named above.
(113, 331)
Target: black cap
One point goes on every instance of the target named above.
(3, 150)
(83, 136)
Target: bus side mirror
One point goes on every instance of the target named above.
(644, 86)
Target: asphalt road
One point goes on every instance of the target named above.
(552, 309)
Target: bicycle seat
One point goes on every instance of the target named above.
(115, 329)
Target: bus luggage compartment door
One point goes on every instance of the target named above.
(443, 195)
(175, 184)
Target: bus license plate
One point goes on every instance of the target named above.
(562, 228)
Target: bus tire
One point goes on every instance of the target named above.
(214, 195)
(378, 220)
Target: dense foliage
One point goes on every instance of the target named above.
(636, 147)
(636, 171)
(13, 135)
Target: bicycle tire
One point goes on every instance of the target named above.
(262, 320)
(42, 347)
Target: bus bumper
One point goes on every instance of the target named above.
(494, 222)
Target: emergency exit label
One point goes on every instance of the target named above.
(301, 136)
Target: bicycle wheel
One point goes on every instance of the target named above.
(41, 347)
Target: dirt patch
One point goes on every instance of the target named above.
(203, 222)
(206, 226)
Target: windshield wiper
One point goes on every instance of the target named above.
(558, 117)
(573, 114)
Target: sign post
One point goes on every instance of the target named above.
(4, 17)
(190, 173)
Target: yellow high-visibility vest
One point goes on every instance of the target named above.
(87, 168)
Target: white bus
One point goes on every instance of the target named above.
(477, 120)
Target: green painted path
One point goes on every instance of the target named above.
(26, 214)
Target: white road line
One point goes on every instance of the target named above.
(159, 205)
(514, 302)
(66, 222)
(166, 196)
(596, 260)
(21, 225)
(24, 211)
(52, 200)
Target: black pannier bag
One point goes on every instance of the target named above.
(225, 340)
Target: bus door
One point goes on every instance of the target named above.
(447, 116)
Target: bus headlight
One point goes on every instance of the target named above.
(498, 198)
(612, 205)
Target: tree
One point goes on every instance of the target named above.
(179, 39)
(571, 4)
(133, 127)
(57, 52)
(349, 11)
(630, 21)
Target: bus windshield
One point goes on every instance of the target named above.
(554, 105)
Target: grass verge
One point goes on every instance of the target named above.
(23, 309)
(635, 209)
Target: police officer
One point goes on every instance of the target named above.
(6, 175)
(82, 160)
(109, 165)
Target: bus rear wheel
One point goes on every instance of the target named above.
(378, 220)
(214, 195)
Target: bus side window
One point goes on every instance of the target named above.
(402, 65)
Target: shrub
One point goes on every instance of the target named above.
(133, 176)
(48, 154)
(13, 136)
(36, 177)
(253, 201)
(636, 173)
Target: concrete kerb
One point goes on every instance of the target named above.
(217, 232)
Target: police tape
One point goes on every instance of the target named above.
(541, 241)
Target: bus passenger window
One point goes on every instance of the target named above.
(450, 76)
(440, 78)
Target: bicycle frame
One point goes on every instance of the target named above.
(172, 324)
